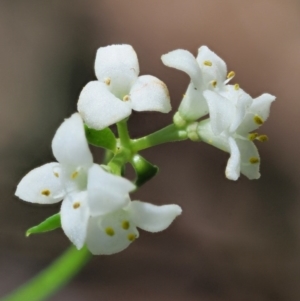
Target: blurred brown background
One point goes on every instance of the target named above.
(235, 241)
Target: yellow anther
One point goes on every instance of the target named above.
(107, 81)
(262, 138)
(214, 83)
(110, 231)
(252, 136)
(236, 86)
(74, 175)
(231, 74)
(183, 95)
(207, 63)
(45, 192)
(254, 160)
(56, 174)
(258, 120)
(125, 225)
(76, 205)
(131, 237)
(126, 98)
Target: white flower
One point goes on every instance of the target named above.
(113, 232)
(84, 187)
(233, 116)
(119, 89)
(207, 72)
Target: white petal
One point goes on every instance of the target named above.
(183, 60)
(74, 217)
(153, 218)
(118, 64)
(249, 153)
(232, 171)
(193, 105)
(242, 103)
(221, 111)
(217, 70)
(206, 134)
(69, 144)
(150, 94)
(42, 185)
(261, 105)
(257, 114)
(99, 108)
(106, 192)
(111, 233)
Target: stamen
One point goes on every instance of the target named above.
(76, 205)
(236, 87)
(252, 136)
(214, 83)
(125, 225)
(207, 63)
(126, 98)
(110, 231)
(262, 138)
(74, 175)
(56, 171)
(107, 81)
(258, 120)
(254, 160)
(46, 192)
(231, 74)
(131, 237)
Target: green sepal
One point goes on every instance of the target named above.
(49, 224)
(102, 138)
(144, 170)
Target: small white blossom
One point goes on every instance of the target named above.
(85, 188)
(113, 232)
(207, 72)
(233, 116)
(119, 89)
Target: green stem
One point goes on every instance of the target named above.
(52, 278)
(123, 133)
(168, 134)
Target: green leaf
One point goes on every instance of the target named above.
(144, 170)
(49, 224)
(102, 138)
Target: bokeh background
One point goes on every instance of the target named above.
(235, 241)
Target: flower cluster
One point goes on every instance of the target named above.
(233, 114)
(96, 208)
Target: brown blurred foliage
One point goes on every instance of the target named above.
(235, 240)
